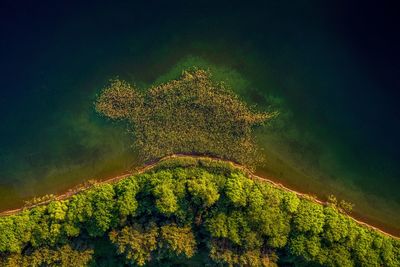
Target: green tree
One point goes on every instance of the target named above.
(179, 240)
(390, 253)
(223, 253)
(234, 226)
(126, 191)
(305, 246)
(291, 202)
(203, 189)
(336, 226)
(79, 211)
(103, 210)
(57, 210)
(135, 242)
(363, 249)
(8, 239)
(217, 225)
(64, 256)
(238, 188)
(309, 217)
(22, 227)
(337, 255)
(268, 217)
(166, 200)
(274, 224)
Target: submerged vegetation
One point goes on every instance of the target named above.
(193, 212)
(193, 114)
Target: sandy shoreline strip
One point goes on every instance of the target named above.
(150, 166)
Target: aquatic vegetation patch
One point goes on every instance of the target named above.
(192, 115)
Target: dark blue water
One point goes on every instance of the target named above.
(332, 70)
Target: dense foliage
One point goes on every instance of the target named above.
(190, 212)
(193, 114)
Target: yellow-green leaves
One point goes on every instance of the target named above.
(203, 189)
(179, 240)
(336, 225)
(103, 203)
(170, 214)
(192, 114)
(291, 202)
(64, 256)
(233, 226)
(57, 210)
(136, 243)
(166, 201)
(238, 188)
(8, 238)
(119, 101)
(304, 246)
(126, 202)
(309, 217)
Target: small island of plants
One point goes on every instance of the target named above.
(190, 115)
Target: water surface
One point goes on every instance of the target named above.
(339, 124)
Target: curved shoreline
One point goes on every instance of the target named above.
(151, 165)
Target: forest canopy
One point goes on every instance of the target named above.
(190, 115)
(190, 212)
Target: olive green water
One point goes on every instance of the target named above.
(328, 139)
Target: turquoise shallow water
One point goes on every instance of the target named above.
(338, 128)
